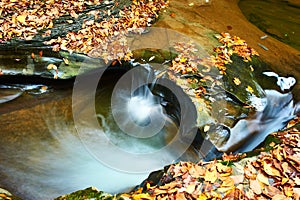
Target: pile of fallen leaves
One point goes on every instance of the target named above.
(23, 19)
(107, 39)
(199, 70)
(231, 45)
(270, 175)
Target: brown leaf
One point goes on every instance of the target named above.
(180, 196)
(197, 171)
(250, 171)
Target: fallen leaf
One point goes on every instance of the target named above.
(263, 179)
(21, 18)
(51, 66)
(211, 176)
(66, 61)
(271, 191)
(279, 197)
(250, 89)
(173, 15)
(255, 186)
(190, 188)
(270, 170)
(237, 81)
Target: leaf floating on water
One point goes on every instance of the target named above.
(263, 46)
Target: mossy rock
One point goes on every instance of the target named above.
(90, 193)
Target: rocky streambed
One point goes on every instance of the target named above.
(36, 119)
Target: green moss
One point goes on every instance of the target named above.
(88, 193)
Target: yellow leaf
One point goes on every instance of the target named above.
(250, 89)
(142, 196)
(262, 178)
(202, 197)
(211, 176)
(51, 66)
(21, 18)
(66, 61)
(223, 168)
(236, 81)
(227, 182)
(182, 60)
(271, 170)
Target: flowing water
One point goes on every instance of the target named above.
(43, 157)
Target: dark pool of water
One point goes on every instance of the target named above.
(279, 19)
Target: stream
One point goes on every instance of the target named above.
(59, 137)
